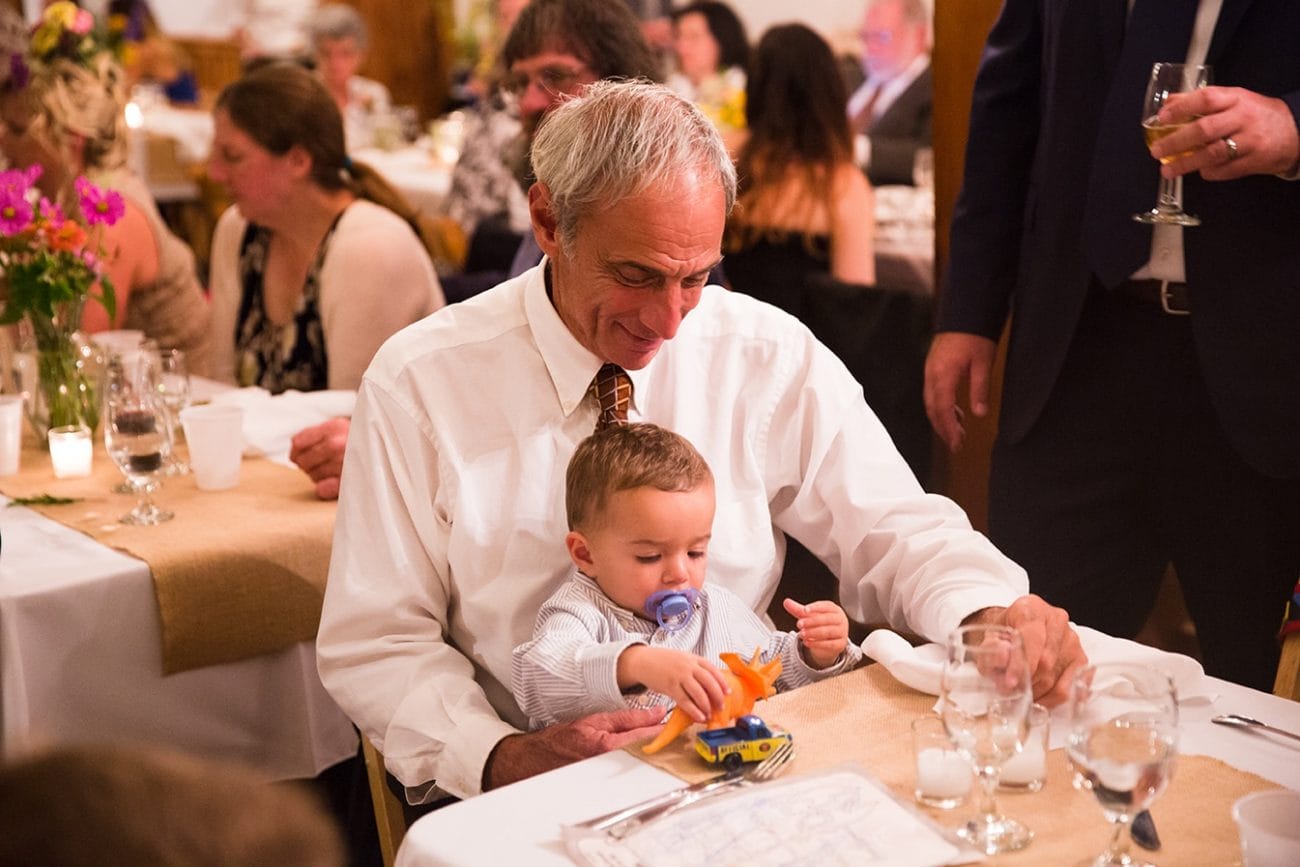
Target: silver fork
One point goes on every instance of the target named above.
(623, 822)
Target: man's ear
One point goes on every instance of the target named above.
(544, 225)
(579, 552)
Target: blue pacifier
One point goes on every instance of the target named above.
(672, 608)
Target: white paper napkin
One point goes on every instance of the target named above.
(270, 421)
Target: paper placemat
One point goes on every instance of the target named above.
(237, 573)
(865, 717)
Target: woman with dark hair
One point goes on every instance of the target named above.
(804, 207)
(317, 262)
(712, 54)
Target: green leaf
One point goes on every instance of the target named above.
(44, 500)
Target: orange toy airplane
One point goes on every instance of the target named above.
(749, 681)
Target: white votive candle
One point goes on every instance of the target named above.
(70, 451)
(1027, 766)
(942, 774)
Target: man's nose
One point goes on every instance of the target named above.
(664, 314)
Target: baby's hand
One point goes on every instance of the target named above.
(697, 686)
(823, 630)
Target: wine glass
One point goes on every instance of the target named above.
(174, 391)
(986, 694)
(135, 436)
(1168, 81)
(1122, 745)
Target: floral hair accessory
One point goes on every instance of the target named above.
(70, 32)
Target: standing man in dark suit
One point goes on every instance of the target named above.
(891, 113)
(1151, 400)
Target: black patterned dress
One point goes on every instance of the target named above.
(279, 357)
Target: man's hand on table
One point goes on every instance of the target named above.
(1051, 645)
(318, 452)
(518, 757)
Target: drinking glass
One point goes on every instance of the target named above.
(986, 694)
(135, 436)
(174, 391)
(1122, 744)
(1168, 81)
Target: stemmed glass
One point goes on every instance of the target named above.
(986, 694)
(1168, 81)
(174, 391)
(1122, 744)
(135, 435)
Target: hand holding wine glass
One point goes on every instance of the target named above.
(1122, 744)
(986, 694)
(1168, 82)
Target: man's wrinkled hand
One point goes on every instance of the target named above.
(518, 757)
(1052, 646)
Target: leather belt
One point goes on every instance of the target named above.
(1172, 298)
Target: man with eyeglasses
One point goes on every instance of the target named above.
(891, 113)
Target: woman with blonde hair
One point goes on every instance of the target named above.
(63, 110)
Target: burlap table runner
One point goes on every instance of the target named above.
(865, 717)
(237, 573)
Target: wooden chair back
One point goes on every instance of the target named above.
(389, 818)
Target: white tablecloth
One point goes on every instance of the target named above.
(80, 662)
(520, 824)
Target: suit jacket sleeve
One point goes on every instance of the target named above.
(989, 217)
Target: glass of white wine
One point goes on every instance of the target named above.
(1122, 745)
(1168, 82)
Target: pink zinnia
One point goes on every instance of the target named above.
(15, 211)
(99, 206)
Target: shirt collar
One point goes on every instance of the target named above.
(571, 366)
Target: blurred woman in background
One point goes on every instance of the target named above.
(317, 261)
(67, 117)
(712, 53)
(803, 206)
(339, 40)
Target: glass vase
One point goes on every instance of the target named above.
(59, 371)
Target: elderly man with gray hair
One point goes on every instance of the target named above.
(451, 520)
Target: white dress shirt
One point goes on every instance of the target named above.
(570, 667)
(451, 524)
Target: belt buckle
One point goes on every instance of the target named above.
(1164, 302)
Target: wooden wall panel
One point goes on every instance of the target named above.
(960, 28)
(409, 50)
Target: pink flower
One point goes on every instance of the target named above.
(82, 22)
(15, 210)
(51, 212)
(100, 207)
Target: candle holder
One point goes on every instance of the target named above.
(70, 451)
(943, 777)
(1026, 771)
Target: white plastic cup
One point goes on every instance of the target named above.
(943, 777)
(1026, 771)
(11, 433)
(1269, 825)
(214, 434)
(71, 451)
